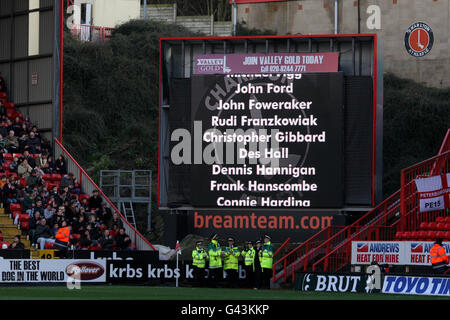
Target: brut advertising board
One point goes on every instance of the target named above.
(266, 141)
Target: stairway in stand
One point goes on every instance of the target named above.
(10, 230)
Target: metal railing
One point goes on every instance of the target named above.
(88, 186)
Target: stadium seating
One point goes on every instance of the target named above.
(50, 179)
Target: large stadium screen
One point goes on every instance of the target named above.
(266, 141)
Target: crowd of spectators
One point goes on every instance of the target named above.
(49, 205)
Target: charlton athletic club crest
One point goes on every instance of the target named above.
(419, 39)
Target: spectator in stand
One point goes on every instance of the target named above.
(17, 245)
(46, 146)
(28, 123)
(34, 180)
(2, 109)
(14, 165)
(54, 229)
(106, 240)
(24, 169)
(115, 221)
(66, 181)
(12, 193)
(16, 126)
(105, 214)
(4, 131)
(33, 143)
(50, 167)
(42, 160)
(23, 130)
(26, 155)
(61, 166)
(42, 234)
(85, 240)
(11, 142)
(49, 212)
(36, 133)
(2, 83)
(95, 201)
(123, 241)
(22, 142)
(2, 143)
(3, 181)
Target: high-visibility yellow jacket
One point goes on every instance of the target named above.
(249, 258)
(199, 257)
(231, 258)
(267, 255)
(214, 252)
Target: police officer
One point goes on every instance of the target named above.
(266, 255)
(215, 254)
(230, 264)
(199, 257)
(249, 264)
(257, 264)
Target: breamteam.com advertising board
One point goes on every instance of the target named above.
(266, 141)
(249, 225)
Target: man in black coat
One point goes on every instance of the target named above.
(17, 245)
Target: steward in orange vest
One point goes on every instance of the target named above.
(439, 258)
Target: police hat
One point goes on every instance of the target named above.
(199, 242)
(214, 236)
(267, 236)
(258, 241)
(230, 239)
(250, 242)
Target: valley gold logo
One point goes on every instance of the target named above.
(419, 39)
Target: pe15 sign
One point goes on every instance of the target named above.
(434, 192)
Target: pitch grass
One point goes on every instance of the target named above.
(183, 293)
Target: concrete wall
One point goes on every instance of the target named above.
(317, 17)
(110, 13)
(204, 24)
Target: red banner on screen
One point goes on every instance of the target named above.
(255, 63)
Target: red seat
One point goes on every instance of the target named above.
(49, 245)
(16, 213)
(447, 226)
(430, 236)
(56, 176)
(24, 217)
(447, 219)
(440, 234)
(10, 105)
(3, 94)
(10, 113)
(8, 156)
(10, 173)
(440, 219)
(432, 226)
(422, 235)
(15, 207)
(18, 155)
(76, 236)
(440, 226)
(84, 196)
(423, 226)
(415, 235)
(447, 236)
(5, 166)
(25, 225)
(47, 177)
